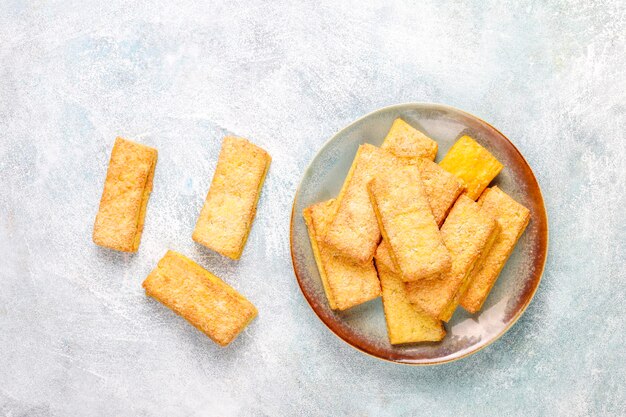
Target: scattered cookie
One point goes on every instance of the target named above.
(127, 187)
(230, 206)
(201, 298)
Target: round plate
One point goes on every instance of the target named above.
(363, 327)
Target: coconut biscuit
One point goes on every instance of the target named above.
(404, 141)
(441, 187)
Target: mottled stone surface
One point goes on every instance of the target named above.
(79, 337)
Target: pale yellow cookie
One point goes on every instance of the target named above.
(405, 322)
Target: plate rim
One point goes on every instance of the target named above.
(518, 314)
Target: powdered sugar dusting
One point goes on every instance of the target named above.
(79, 337)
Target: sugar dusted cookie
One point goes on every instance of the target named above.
(127, 187)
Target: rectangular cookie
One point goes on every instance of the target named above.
(407, 223)
(473, 164)
(201, 298)
(467, 232)
(127, 188)
(354, 230)
(346, 282)
(442, 188)
(404, 141)
(230, 206)
(405, 322)
(512, 218)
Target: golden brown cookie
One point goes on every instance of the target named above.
(230, 205)
(404, 141)
(346, 282)
(467, 232)
(441, 187)
(405, 322)
(354, 230)
(407, 223)
(201, 298)
(127, 187)
(512, 218)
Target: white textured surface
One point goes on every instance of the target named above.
(79, 337)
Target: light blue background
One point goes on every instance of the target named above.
(79, 337)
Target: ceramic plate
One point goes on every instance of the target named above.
(363, 327)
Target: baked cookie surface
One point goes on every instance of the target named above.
(201, 298)
(127, 187)
(230, 206)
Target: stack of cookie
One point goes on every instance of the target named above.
(411, 230)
